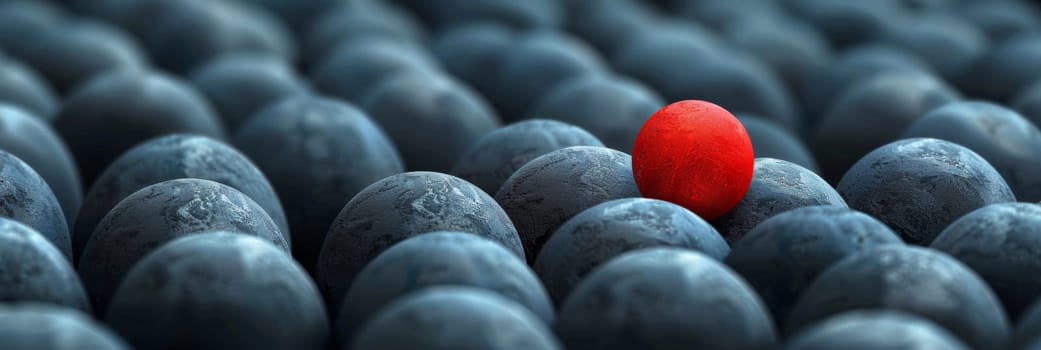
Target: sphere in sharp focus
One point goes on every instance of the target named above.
(115, 111)
(919, 281)
(777, 186)
(552, 188)
(695, 154)
(645, 299)
(609, 229)
(219, 290)
(1001, 243)
(1005, 139)
(33, 270)
(919, 186)
(169, 158)
(318, 153)
(33, 326)
(785, 253)
(158, 214)
(435, 259)
(32, 140)
(873, 330)
(239, 85)
(399, 207)
(455, 318)
(498, 154)
(26, 198)
(431, 118)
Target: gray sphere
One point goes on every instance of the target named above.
(239, 85)
(646, 299)
(34, 141)
(399, 207)
(318, 153)
(440, 258)
(169, 158)
(777, 186)
(782, 255)
(875, 330)
(1004, 138)
(919, 186)
(25, 88)
(609, 229)
(219, 290)
(158, 214)
(350, 71)
(772, 140)
(916, 280)
(33, 326)
(1001, 243)
(549, 190)
(1027, 334)
(26, 198)
(497, 155)
(455, 318)
(33, 270)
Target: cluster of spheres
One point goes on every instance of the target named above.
(520, 174)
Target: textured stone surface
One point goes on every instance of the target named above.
(169, 158)
(34, 142)
(647, 299)
(785, 253)
(219, 290)
(550, 189)
(455, 318)
(48, 327)
(609, 229)
(872, 330)
(26, 198)
(399, 207)
(33, 270)
(777, 186)
(158, 214)
(919, 186)
(920, 281)
(440, 258)
(498, 154)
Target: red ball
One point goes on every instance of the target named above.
(694, 154)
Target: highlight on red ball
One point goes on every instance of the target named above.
(695, 154)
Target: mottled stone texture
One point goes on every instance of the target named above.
(33, 270)
(26, 198)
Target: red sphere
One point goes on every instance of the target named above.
(695, 154)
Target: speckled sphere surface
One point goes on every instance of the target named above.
(399, 207)
(440, 258)
(219, 290)
(873, 330)
(38, 145)
(455, 318)
(609, 229)
(777, 186)
(919, 186)
(498, 154)
(158, 214)
(33, 326)
(916, 280)
(26, 198)
(169, 158)
(695, 154)
(645, 299)
(33, 270)
(552, 188)
(785, 253)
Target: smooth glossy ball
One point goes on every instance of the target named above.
(550, 189)
(874, 330)
(161, 213)
(33, 326)
(33, 270)
(455, 318)
(399, 207)
(219, 290)
(645, 300)
(498, 154)
(24, 87)
(695, 154)
(437, 259)
(609, 229)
